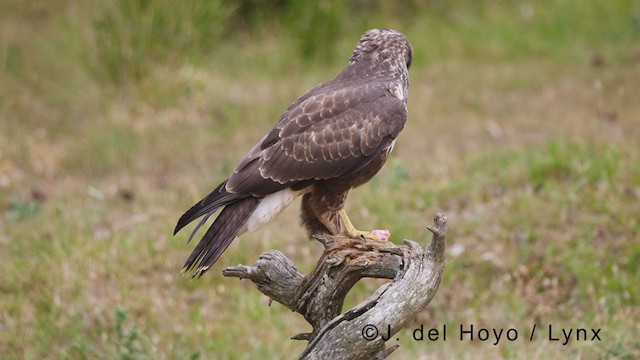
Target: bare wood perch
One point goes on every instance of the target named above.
(319, 296)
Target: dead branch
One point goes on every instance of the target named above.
(319, 296)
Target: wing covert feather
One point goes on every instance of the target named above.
(326, 135)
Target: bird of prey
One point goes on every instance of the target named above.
(333, 138)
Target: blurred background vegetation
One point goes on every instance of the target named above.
(115, 116)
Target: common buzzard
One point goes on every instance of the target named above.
(333, 138)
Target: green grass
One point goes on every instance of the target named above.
(117, 116)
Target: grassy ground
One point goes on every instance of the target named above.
(524, 127)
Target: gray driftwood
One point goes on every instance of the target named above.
(415, 273)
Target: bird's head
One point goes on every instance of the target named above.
(383, 45)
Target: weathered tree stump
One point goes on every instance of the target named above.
(358, 333)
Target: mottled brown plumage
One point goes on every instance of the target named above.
(333, 138)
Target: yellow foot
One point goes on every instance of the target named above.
(374, 235)
(352, 232)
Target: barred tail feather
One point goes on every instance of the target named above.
(221, 233)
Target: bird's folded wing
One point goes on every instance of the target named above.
(328, 135)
